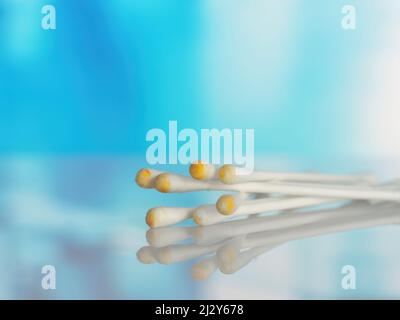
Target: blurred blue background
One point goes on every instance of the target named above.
(76, 103)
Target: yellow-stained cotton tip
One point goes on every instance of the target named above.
(226, 205)
(198, 170)
(151, 217)
(163, 183)
(143, 178)
(165, 216)
(202, 171)
(227, 173)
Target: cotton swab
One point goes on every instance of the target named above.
(174, 183)
(203, 171)
(160, 237)
(209, 215)
(165, 216)
(205, 268)
(228, 203)
(145, 177)
(230, 174)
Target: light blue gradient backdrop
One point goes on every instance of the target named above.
(76, 103)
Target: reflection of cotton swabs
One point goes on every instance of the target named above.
(386, 215)
(231, 258)
(262, 241)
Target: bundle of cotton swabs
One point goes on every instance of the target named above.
(267, 209)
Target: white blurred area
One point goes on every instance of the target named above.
(376, 94)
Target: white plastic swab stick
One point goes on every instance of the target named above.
(145, 177)
(320, 190)
(146, 255)
(390, 215)
(229, 206)
(170, 183)
(203, 171)
(231, 174)
(161, 237)
(167, 182)
(165, 216)
(218, 232)
(209, 215)
(204, 269)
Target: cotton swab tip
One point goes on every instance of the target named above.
(166, 216)
(151, 217)
(226, 205)
(202, 171)
(143, 178)
(227, 173)
(163, 183)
